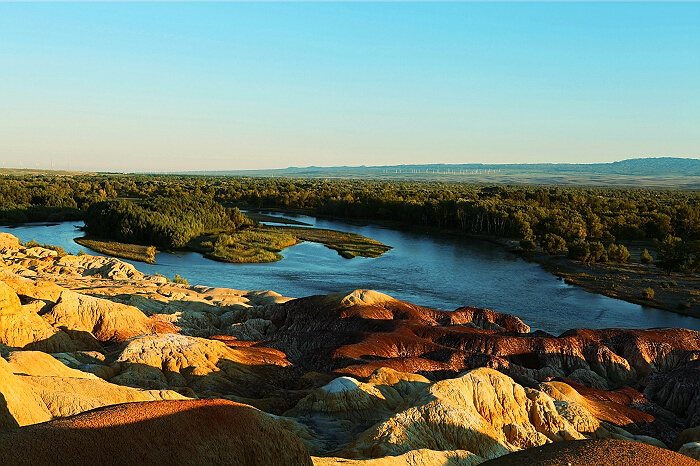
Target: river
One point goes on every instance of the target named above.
(442, 272)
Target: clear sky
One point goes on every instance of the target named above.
(187, 86)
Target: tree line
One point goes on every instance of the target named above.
(553, 218)
(168, 223)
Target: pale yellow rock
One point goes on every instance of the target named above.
(65, 396)
(403, 383)
(395, 385)
(612, 366)
(192, 323)
(105, 267)
(39, 364)
(21, 327)
(546, 419)
(412, 458)
(359, 297)
(561, 391)
(346, 398)
(9, 242)
(579, 417)
(87, 361)
(265, 298)
(194, 310)
(483, 412)
(37, 387)
(19, 404)
(40, 290)
(204, 365)
(152, 304)
(103, 319)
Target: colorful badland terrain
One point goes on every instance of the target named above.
(222, 376)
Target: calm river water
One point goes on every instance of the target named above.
(442, 272)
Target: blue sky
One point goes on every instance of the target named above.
(186, 86)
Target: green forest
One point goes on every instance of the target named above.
(168, 211)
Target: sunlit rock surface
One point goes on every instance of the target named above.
(22, 327)
(358, 377)
(201, 432)
(604, 452)
(208, 367)
(37, 387)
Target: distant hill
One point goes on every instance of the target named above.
(40, 172)
(662, 166)
(657, 172)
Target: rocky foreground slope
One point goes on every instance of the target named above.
(352, 378)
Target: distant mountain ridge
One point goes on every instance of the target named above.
(645, 167)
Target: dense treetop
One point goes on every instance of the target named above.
(194, 203)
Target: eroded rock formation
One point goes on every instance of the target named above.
(195, 432)
(358, 377)
(37, 387)
(357, 333)
(608, 452)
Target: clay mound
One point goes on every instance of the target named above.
(9, 241)
(99, 266)
(483, 412)
(200, 432)
(346, 398)
(102, 319)
(19, 405)
(325, 333)
(359, 297)
(22, 327)
(421, 457)
(206, 366)
(35, 387)
(354, 334)
(33, 290)
(594, 453)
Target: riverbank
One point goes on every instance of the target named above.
(678, 293)
(134, 252)
(439, 271)
(637, 283)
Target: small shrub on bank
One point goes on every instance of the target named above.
(646, 258)
(648, 294)
(179, 280)
(552, 244)
(618, 253)
(528, 244)
(597, 251)
(34, 244)
(579, 250)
